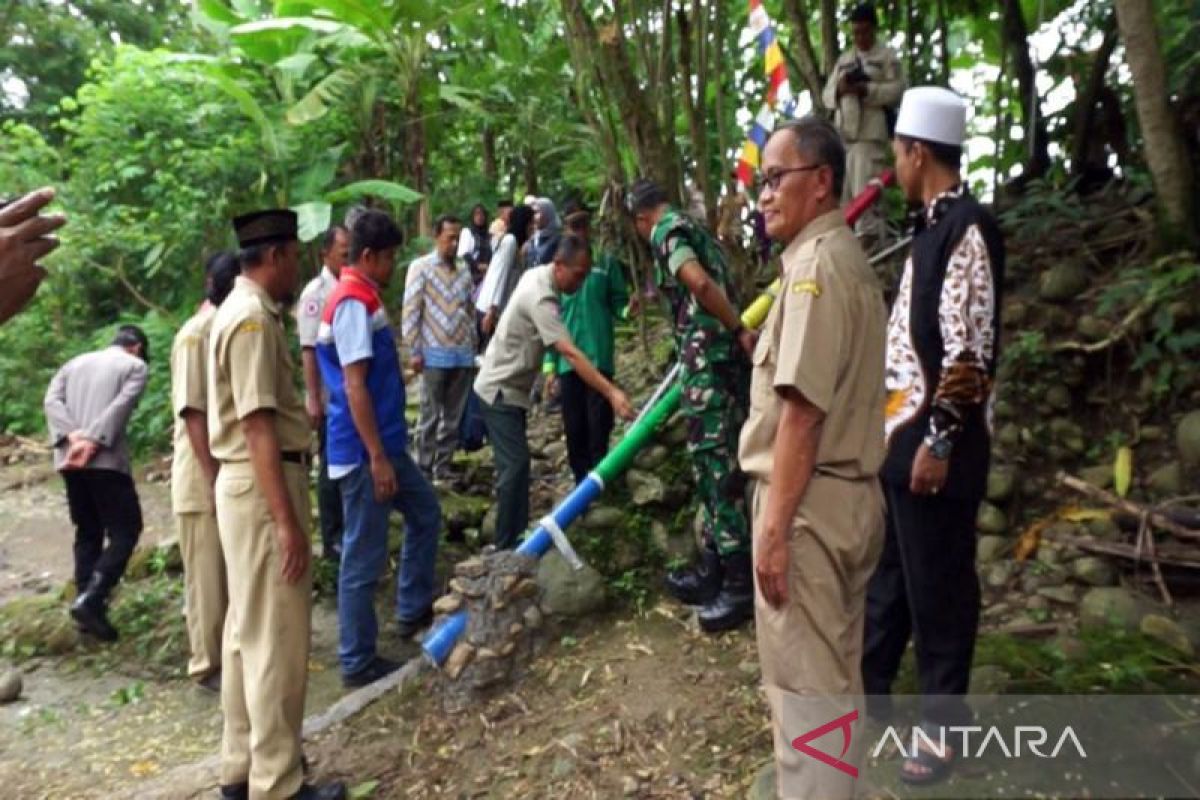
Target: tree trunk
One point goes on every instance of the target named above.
(1085, 109)
(806, 56)
(829, 34)
(723, 140)
(693, 107)
(529, 162)
(1166, 152)
(489, 156)
(607, 54)
(416, 156)
(944, 35)
(1017, 36)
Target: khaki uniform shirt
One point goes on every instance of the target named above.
(190, 492)
(530, 323)
(825, 337)
(863, 119)
(250, 369)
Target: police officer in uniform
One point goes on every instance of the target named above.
(694, 275)
(943, 340)
(193, 473)
(260, 435)
(813, 443)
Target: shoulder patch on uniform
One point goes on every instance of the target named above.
(806, 287)
(249, 326)
(312, 308)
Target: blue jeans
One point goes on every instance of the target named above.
(364, 556)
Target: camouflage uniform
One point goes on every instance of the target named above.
(715, 379)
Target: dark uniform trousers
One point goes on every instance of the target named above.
(926, 587)
(103, 503)
(587, 423)
(329, 506)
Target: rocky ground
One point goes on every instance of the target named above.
(622, 696)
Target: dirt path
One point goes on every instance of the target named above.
(36, 533)
(99, 719)
(642, 707)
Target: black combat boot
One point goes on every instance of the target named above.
(90, 610)
(735, 604)
(699, 584)
(234, 791)
(330, 791)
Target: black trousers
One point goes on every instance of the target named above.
(587, 423)
(329, 506)
(926, 587)
(103, 504)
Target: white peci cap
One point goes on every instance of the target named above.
(933, 114)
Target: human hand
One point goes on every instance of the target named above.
(928, 473)
(294, 550)
(771, 565)
(621, 405)
(748, 340)
(80, 451)
(551, 385)
(383, 475)
(316, 414)
(488, 325)
(635, 305)
(24, 238)
(417, 364)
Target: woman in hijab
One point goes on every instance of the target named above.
(505, 269)
(475, 244)
(548, 231)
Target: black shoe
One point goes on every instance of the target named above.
(235, 791)
(330, 791)
(735, 604)
(698, 585)
(371, 673)
(89, 613)
(211, 682)
(410, 628)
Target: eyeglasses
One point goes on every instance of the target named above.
(773, 180)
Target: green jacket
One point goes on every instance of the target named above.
(589, 315)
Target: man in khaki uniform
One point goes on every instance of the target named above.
(814, 443)
(193, 473)
(260, 435)
(864, 87)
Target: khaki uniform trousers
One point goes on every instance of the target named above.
(206, 595)
(812, 647)
(865, 160)
(266, 643)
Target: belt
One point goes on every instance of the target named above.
(295, 457)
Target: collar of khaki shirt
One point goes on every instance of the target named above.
(256, 289)
(826, 223)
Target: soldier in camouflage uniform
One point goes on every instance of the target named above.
(710, 340)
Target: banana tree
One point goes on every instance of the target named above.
(311, 59)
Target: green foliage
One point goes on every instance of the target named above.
(1166, 289)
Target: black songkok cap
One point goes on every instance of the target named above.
(864, 12)
(263, 227)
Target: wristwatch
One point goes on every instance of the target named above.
(939, 446)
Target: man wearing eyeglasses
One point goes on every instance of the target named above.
(693, 274)
(814, 444)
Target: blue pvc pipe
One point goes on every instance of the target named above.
(441, 640)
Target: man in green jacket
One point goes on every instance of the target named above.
(589, 315)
